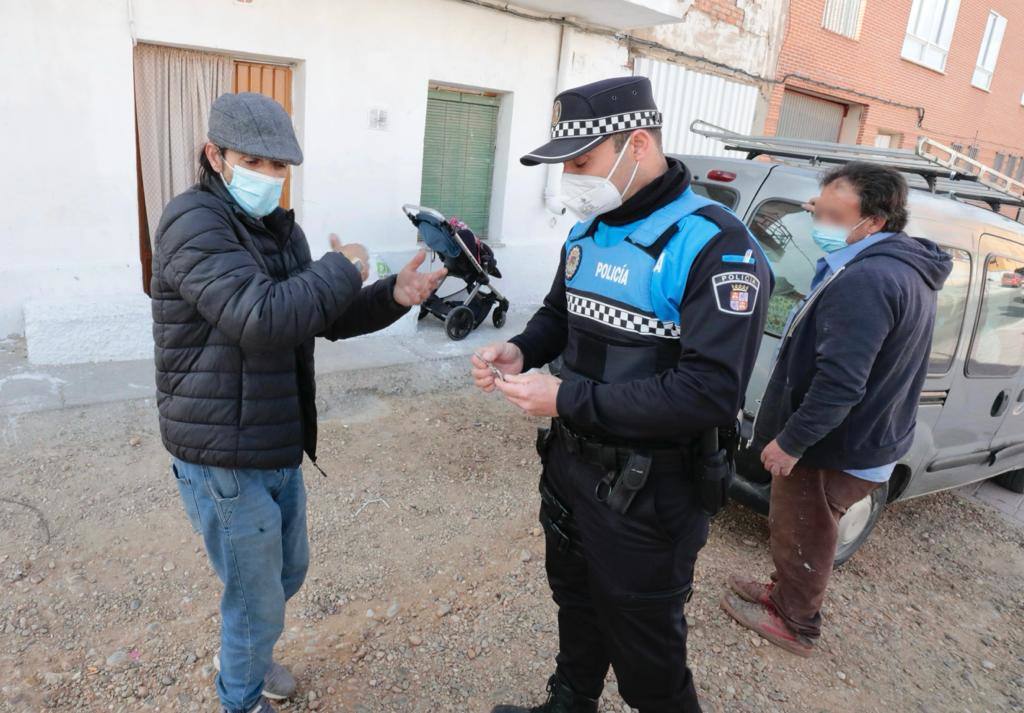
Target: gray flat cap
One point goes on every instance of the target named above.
(254, 125)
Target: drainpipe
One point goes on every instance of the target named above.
(552, 188)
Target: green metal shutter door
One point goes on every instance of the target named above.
(458, 156)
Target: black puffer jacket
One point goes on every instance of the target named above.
(236, 305)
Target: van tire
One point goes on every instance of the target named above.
(860, 519)
(1013, 481)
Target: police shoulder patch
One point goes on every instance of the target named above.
(572, 261)
(736, 292)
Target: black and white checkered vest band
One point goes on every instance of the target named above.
(573, 128)
(620, 318)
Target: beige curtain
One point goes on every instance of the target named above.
(174, 89)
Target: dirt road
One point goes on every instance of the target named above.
(427, 589)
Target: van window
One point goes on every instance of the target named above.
(784, 230)
(999, 336)
(949, 315)
(726, 196)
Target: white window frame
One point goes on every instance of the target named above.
(988, 53)
(843, 17)
(885, 139)
(930, 32)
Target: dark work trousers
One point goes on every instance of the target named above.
(806, 507)
(620, 600)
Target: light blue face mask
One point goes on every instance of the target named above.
(832, 237)
(256, 193)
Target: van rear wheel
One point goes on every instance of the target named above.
(858, 522)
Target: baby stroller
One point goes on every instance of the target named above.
(467, 259)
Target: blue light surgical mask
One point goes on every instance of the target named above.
(257, 194)
(832, 237)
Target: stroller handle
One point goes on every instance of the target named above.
(411, 210)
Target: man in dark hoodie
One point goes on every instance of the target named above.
(841, 404)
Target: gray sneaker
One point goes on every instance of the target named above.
(278, 684)
(262, 707)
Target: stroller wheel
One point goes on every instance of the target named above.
(459, 323)
(498, 316)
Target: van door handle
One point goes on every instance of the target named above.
(1000, 404)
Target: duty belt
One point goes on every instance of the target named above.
(609, 456)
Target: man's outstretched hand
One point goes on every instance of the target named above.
(412, 287)
(353, 251)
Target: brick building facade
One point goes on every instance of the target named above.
(884, 72)
(721, 10)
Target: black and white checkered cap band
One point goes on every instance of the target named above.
(606, 124)
(621, 318)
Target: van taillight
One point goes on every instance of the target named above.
(724, 176)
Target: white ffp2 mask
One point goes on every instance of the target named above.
(591, 196)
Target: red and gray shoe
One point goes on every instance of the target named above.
(764, 620)
(751, 590)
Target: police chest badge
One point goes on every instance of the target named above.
(736, 292)
(572, 261)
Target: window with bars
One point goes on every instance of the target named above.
(843, 17)
(988, 54)
(930, 32)
(1000, 160)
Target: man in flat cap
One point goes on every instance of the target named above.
(237, 303)
(657, 308)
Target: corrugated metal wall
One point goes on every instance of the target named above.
(684, 95)
(805, 117)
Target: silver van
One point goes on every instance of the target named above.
(971, 420)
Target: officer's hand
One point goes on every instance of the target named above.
(811, 205)
(535, 393)
(412, 287)
(504, 355)
(776, 461)
(353, 251)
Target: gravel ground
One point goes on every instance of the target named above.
(427, 588)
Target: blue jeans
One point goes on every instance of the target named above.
(253, 523)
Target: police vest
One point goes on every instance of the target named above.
(614, 332)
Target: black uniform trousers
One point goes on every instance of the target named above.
(621, 588)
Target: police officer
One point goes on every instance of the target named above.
(657, 307)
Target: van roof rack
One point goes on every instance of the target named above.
(944, 169)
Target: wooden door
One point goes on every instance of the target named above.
(274, 81)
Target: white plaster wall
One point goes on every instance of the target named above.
(356, 56)
(69, 232)
(69, 221)
(753, 46)
(90, 328)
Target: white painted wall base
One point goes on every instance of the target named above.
(89, 329)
